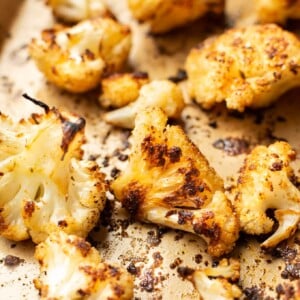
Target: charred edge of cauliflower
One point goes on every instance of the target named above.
(75, 58)
(244, 67)
(78, 10)
(165, 15)
(45, 185)
(216, 283)
(158, 93)
(169, 182)
(121, 89)
(70, 268)
(266, 182)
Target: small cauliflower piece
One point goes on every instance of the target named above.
(277, 11)
(158, 93)
(218, 288)
(45, 185)
(169, 182)
(164, 15)
(245, 67)
(75, 58)
(78, 10)
(71, 269)
(121, 89)
(266, 182)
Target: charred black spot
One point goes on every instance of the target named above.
(185, 271)
(132, 200)
(184, 217)
(155, 152)
(174, 154)
(180, 76)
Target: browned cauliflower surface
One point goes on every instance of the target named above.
(164, 15)
(247, 67)
(266, 182)
(75, 58)
(169, 182)
(70, 268)
(45, 185)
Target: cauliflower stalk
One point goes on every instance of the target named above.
(75, 58)
(70, 268)
(266, 182)
(158, 93)
(45, 185)
(78, 10)
(219, 288)
(169, 182)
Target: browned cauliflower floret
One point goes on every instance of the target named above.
(277, 11)
(169, 182)
(265, 183)
(72, 269)
(120, 89)
(75, 58)
(164, 15)
(158, 93)
(78, 10)
(219, 288)
(45, 185)
(247, 67)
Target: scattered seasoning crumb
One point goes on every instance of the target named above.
(132, 269)
(158, 259)
(176, 263)
(12, 246)
(147, 282)
(12, 261)
(213, 124)
(105, 161)
(185, 271)
(253, 293)
(232, 146)
(198, 258)
(114, 172)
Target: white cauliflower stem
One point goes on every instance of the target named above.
(75, 58)
(72, 269)
(266, 182)
(45, 185)
(158, 93)
(169, 182)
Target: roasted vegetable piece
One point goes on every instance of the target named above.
(70, 268)
(266, 182)
(120, 89)
(45, 185)
(169, 182)
(75, 58)
(219, 288)
(245, 67)
(277, 11)
(158, 93)
(164, 15)
(78, 10)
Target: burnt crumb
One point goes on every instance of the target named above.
(253, 293)
(291, 271)
(12, 246)
(213, 124)
(198, 258)
(232, 146)
(285, 252)
(121, 156)
(158, 259)
(184, 272)
(114, 172)
(180, 76)
(179, 235)
(12, 261)
(105, 161)
(176, 263)
(93, 157)
(174, 154)
(106, 215)
(147, 282)
(132, 269)
(184, 217)
(152, 238)
(277, 166)
(285, 290)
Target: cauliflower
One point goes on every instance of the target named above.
(120, 89)
(164, 15)
(169, 182)
(218, 288)
(266, 182)
(75, 58)
(78, 10)
(72, 269)
(159, 93)
(45, 186)
(277, 11)
(245, 67)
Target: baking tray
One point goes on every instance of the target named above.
(152, 253)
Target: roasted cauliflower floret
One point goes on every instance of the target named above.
(121, 89)
(169, 182)
(277, 11)
(45, 185)
(266, 182)
(247, 67)
(164, 15)
(78, 10)
(158, 93)
(70, 268)
(75, 58)
(219, 288)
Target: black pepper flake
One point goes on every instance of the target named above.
(114, 172)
